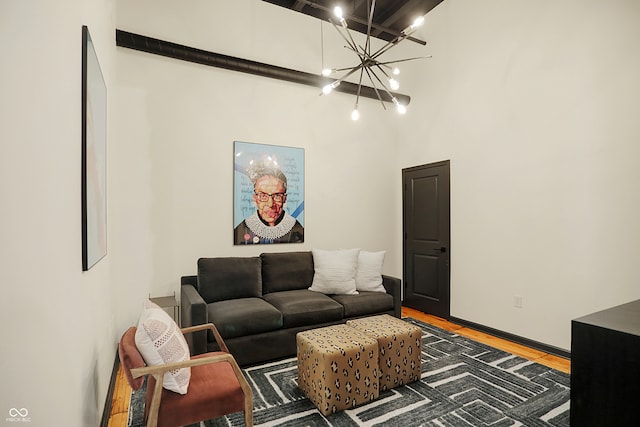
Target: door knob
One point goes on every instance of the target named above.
(441, 249)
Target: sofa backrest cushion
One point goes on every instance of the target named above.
(221, 279)
(286, 271)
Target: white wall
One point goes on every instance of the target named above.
(536, 105)
(57, 339)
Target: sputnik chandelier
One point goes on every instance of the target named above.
(381, 74)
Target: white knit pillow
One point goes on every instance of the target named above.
(160, 341)
(369, 273)
(335, 271)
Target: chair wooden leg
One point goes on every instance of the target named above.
(248, 409)
(152, 421)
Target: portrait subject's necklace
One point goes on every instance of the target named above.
(260, 229)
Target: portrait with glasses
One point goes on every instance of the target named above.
(268, 194)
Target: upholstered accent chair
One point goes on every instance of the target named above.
(217, 386)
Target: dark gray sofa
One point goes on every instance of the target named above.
(260, 303)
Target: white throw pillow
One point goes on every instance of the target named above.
(369, 273)
(335, 271)
(160, 341)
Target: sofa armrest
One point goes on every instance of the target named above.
(193, 311)
(189, 280)
(393, 286)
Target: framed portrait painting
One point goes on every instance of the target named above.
(268, 194)
(94, 156)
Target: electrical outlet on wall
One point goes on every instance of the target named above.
(517, 301)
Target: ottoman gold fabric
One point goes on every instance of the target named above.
(400, 347)
(337, 367)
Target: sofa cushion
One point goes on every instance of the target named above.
(369, 273)
(229, 278)
(286, 271)
(243, 316)
(304, 307)
(335, 271)
(365, 303)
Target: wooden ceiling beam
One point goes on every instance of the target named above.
(199, 56)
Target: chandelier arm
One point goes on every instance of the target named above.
(386, 48)
(387, 63)
(350, 40)
(373, 85)
(353, 70)
(361, 54)
(359, 86)
(337, 70)
(403, 35)
(367, 49)
(351, 45)
(379, 67)
(383, 85)
(403, 60)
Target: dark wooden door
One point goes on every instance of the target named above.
(426, 249)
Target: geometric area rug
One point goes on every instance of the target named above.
(464, 384)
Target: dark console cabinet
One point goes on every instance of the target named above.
(605, 368)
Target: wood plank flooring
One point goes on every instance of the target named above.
(122, 391)
(550, 360)
(120, 401)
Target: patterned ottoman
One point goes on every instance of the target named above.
(400, 348)
(337, 367)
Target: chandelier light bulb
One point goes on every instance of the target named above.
(337, 11)
(402, 109)
(396, 71)
(393, 83)
(418, 22)
(330, 87)
(327, 72)
(355, 115)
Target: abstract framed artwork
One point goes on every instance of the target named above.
(268, 194)
(94, 156)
